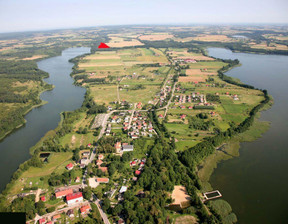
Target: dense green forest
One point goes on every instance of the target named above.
(21, 98)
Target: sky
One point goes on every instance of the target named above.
(29, 15)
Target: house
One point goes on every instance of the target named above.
(142, 164)
(190, 107)
(55, 217)
(84, 161)
(103, 169)
(127, 148)
(69, 166)
(77, 180)
(50, 222)
(134, 178)
(102, 180)
(123, 189)
(99, 162)
(183, 116)
(41, 221)
(160, 116)
(43, 198)
(70, 213)
(118, 147)
(89, 145)
(100, 157)
(74, 198)
(133, 163)
(137, 172)
(63, 193)
(86, 153)
(85, 209)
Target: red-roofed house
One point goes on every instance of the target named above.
(100, 157)
(137, 172)
(160, 115)
(43, 198)
(41, 221)
(55, 217)
(74, 198)
(118, 147)
(103, 169)
(102, 180)
(99, 162)
(133, 163)
(50, 222)
(183, 116)
(84, 209)
(69, 166)
(63, 193)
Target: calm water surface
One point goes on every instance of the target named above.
(14, 149)
(256, 183)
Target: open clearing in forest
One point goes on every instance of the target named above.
(180, 195)
(187, 219)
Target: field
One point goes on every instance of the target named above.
(57, 163)
(207, 38)
(271, 46)
(153, 37)
(119, 42)
(125, 68)
(104, 93)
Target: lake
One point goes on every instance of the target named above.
(256, 182)
(14, 149)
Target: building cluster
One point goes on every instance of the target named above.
(140, 163)
(99, 162)
(124, 147)
(194, 97)
(140, 126)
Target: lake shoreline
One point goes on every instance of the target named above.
(43, 102)
(11, 182)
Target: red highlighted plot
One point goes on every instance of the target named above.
(103, 45)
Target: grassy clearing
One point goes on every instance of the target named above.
(57, 162)
(104, 93)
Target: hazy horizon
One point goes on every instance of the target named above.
(32, 15)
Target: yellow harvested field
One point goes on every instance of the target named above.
(156, 37)
(95, 57)
(179, 195)
(121, 42)
(191, 79)
(194, 71)
(271, 46)
(125, 43)
(102, 64)
(34, 57)
(210, 38)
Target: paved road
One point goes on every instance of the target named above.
(172, 94)
(79, 204)
(102, 213)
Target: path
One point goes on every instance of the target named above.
(172, 94)
(38, 192)
(102, 213)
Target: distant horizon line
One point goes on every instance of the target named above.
(160, 24)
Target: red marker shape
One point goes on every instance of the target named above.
(103, 45)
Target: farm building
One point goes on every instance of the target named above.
(127, 148)
(102, 180)
(63, 193)
(69, 166)
(85, 209)
(74, 198)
